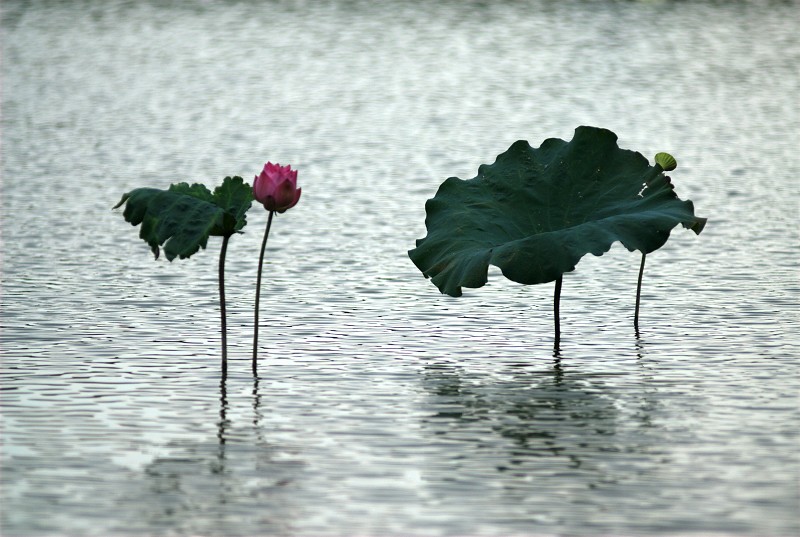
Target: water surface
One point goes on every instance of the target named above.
(383, 407)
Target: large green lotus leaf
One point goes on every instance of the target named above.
(536, 212)
(182, 218)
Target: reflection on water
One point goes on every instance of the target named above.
(538, 428)
(382, 407)
(541, 417)
(241, 474)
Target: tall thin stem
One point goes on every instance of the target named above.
(556, 312)
(638, 296)
(258, 294)
(222, 305)
(222, 425)
(223, 409)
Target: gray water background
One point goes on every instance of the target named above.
(383, 407)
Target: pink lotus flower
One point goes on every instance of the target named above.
(276, 187)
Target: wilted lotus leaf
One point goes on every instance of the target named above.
(182, 217)
(536, 212)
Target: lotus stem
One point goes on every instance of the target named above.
(222, 426)
(258, 294)
(638, 296)
(556, 314)
(223, 409)
(222, 305)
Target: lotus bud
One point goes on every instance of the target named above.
(276, 187)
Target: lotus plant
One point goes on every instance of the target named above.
(180, 220)
(536, 212)
(276, 189)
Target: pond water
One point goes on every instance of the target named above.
(383, 407)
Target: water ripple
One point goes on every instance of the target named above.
(383, 407)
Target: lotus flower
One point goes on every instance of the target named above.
(276, 187)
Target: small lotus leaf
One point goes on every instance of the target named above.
(666, 161)
(234, 196)
(196, 190)
(536, 212)
(181, 218)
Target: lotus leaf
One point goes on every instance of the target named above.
(536, 212)
(181, 218)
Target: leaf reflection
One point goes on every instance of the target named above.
(532, 422)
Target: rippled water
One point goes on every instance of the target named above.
(383, 407)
